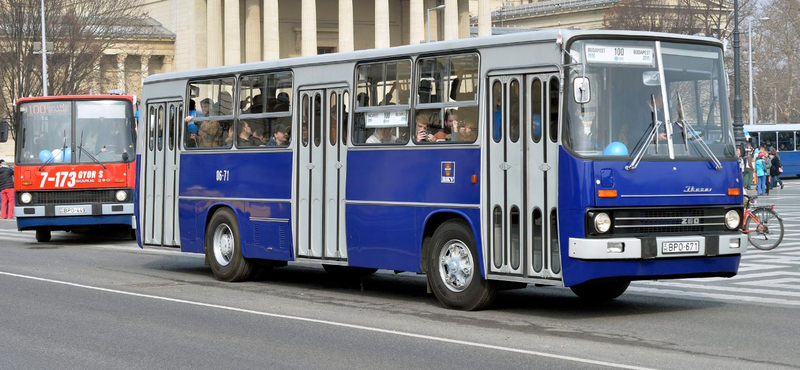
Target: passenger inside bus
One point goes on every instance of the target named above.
(280, 137)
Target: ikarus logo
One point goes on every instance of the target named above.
(692, 189)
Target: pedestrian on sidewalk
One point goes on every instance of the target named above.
(6, 190)
(776, 169)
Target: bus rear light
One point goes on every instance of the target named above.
(734, 191)
(606, 193)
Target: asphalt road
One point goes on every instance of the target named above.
(98, 302)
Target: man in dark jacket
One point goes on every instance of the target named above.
(6, 190)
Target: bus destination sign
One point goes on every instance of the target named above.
(49, 108)
(619, 55)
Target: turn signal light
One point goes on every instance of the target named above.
(606, 193)
(474, 179)
(734, 191)
(27, 182)
(119, 180)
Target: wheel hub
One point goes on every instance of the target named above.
(456, 266)
(223, 245)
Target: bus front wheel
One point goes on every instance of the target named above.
(601, 290)
(43, 236)
(224, 248)
(454, 273)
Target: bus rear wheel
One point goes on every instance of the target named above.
(43, 236)
(454, 273)
(224, 248)
(600, 290)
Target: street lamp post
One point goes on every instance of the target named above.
(44, 56)
(440, 7)
(750, 61)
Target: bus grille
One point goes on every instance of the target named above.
(671, 220)
(74, 197)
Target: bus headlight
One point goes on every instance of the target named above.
(602, 222)
(732, 220)
(26, 198)
(122, 195)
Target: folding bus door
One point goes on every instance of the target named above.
(522, 215)
(320, 174)
(335, 170)
(542, 112)
(153, 172)
(506, 175)
(172, 140)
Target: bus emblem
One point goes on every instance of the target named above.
(448, 172)
(692, 189)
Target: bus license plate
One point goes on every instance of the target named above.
(680, 247)
(72, 211)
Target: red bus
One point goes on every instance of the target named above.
(74, 163)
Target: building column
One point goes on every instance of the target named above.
(451, 19)
(252, 31)
(416, 23)
(145, 59)
(309, 27)
(233, 37)
(381, 24)
(346, 25)
(272, 45)
(484, 18)
(168, 63)
(121, 71)
(463, 19)
(214, 33)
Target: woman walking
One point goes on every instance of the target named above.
(776, 169)
(761, 188)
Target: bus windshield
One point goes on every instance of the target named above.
(625, 113)
(102, 132)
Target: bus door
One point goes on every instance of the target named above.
(522, 173)
(157, 166)
(172, 141)
(320, 190)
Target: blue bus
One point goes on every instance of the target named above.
(783, 137)
(580, 159)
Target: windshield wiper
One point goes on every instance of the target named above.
(82, 150)
(698, 140)
(644, 142)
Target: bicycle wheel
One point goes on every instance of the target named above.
(764, 229)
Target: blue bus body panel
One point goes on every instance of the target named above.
(29, 223)
(413, 176)
(389, 236)
(577, 192)
(790, 162)
(258, 185)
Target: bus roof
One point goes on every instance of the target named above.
(74, 97)
(426, 48)
(773, 127)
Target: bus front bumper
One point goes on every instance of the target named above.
(657, 247)
(71, 210)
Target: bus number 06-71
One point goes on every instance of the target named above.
(223, 175)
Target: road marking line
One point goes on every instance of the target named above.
(728, 297)
(333, 323)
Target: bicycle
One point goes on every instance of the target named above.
(763, 226)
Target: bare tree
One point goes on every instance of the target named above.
(777, 53)
(80, 30)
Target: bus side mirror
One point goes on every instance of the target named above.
(581, 90)
(3, 131)
(194, 91)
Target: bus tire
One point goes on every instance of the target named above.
(600, 290)
(454, 273)
(349, 271)
(43, 236)
(224, 248)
